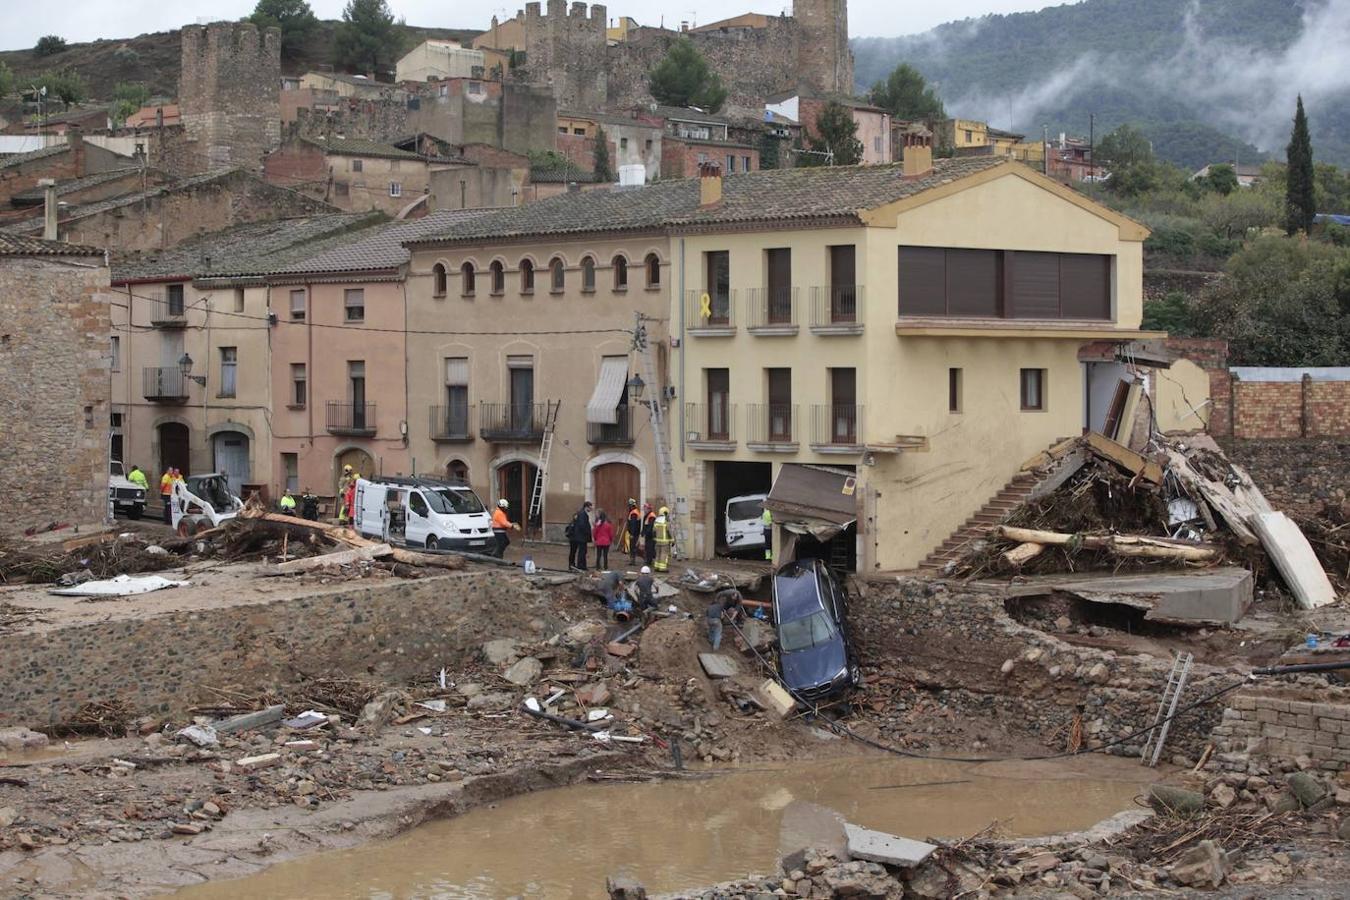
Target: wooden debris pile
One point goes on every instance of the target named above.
(109, 555)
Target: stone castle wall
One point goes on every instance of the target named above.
(229, 91)
(1286, 724)
(566, 48)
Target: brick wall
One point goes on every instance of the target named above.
(1284, 724)
(1291, 409)
(1210, 354)
(55, 391)
(679, 158)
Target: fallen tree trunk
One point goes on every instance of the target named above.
(333, 532)
(1119, 544)
(435, 560)
(340, 558)
(1022, 553)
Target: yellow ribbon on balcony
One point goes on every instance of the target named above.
(705, 306)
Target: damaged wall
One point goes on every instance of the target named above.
(1285, 723)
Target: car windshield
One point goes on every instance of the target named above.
(805, 632)
(444, 500)
(741, 510)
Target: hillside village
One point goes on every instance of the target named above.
(492, 411)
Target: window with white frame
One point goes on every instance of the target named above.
(395, 189)
(229, 368)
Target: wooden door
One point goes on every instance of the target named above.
(173, 447)
(1116, 410)
(614, 484)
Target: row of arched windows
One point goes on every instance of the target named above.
(557, 275)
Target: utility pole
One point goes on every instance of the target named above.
(1045, 149)
(1092, 147)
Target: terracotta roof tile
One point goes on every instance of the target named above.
(17, 245)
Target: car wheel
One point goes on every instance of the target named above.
(432, 544)
(855, 676)
(188, 527)
(137, 509)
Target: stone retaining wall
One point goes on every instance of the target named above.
(1283, 725)
(395, 632)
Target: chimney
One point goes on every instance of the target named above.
(709, 184)
(918, 153)
(48, 208)
(76, 141)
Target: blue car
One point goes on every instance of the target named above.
(815, 655)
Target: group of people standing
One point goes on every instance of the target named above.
(645, 528)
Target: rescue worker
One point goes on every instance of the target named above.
(726, 604)
(766, 519)
(661, 530)
(343, 509)
(349, 495)
(137, 477)
(632, 530)
(501, 524)
(165, 490)
(611, 591)
(646, 589)
(649, 534)
(578, 536)
(287, 504)
(309, 506)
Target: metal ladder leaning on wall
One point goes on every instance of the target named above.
(1167, 707)
(654, 398)
(541, 473)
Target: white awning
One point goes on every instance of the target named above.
(603, 408)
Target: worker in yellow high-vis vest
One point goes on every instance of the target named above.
(766, 519)
(661, 531)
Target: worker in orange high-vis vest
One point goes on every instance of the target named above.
(501, 524)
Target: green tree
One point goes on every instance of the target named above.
(1172, 314)
(294, 18)
(1233, 215)
(1222, 178)
(1300, 203)
(769, 153)
(63, 85)
(1123, 148)
(1333, 188)
(368, 36)
(50, 45)
(127, 98)
(834, 140)
(906, 95)
(684, 78)
(604, 174)
(6, 80)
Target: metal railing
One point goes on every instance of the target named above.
(350, 418)
(715, 422)
(718, 313)
(837, 306)
(451, 423)
(512, 422)
(771, 307)
(164, 311)
(838, 424)
(772, 423)
(621, 432)
(164, 383)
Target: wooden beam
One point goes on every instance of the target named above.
(1022, 553)
(340, 558)
(1124, 457)
(1119, 544)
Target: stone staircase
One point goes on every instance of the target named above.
(982, 523)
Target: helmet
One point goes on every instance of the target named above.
(646, 570)
(665, 510)
(632, 502)
(503, 503)
(346, 468)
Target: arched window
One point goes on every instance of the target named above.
(557, 275)
(457, 470)
(498, 278)
(620, 273)
(438, 278)
(653, 265)
(526, 276)
(588, 274)
(466, 279)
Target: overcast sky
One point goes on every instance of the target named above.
(21, 24)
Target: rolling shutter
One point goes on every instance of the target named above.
(923, 281)
(1035, 286)
(973, 283)
(1085, 286)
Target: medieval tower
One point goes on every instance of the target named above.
(824, 59)
(229, 92)
(566, 48)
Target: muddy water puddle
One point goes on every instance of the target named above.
(672, 835)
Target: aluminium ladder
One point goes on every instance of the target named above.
(541, 473)
(664, 462)
(1167, 707)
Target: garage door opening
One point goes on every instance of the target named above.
(735, 479)
(816, 511)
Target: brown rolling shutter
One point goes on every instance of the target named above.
(1085, 286)
(973, 283)
(1035, 286)
(923, 281)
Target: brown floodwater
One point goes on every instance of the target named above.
(682, 834)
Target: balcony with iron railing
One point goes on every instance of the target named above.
(355, 419)
(837, 428)
(618, 434)
(710, 426)
(837, 309)
(168, 312)
(451, 423)
(710, 314)
(507, 423)
(772, 427)
(164, 384)
(772, 311)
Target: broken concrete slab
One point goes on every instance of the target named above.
(770, 695)
(251, 720)
(524, 672)
(1289, 549)
(887, 849)
(262, 761)
(1219, 596)
(201, 735)
(718, 665)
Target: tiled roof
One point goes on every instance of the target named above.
(72, 185)
(15, 245)
(609, 119)
(765, 196)
(258, 248)
(688, 115)
(21, 158)
(561, 175)
(361, 147)
(89, 209)
(382, 247)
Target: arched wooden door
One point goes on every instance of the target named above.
(360, 461)
(515, 481)
(615, 483)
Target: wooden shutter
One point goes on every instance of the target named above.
(1035, 286)
(973, 283)
(1085, 286)
(923, 281)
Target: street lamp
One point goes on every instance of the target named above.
(636, 386)
(185, 368)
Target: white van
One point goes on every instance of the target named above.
(745, 531)
(422, 512)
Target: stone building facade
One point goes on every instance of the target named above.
(55, 393)
(229, 91)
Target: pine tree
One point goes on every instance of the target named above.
(603, 173)
(1299, 203)
(684, 78)
(835, 139)
(368, 36)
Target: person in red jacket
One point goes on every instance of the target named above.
(603, 535)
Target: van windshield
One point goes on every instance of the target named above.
(740, 510)
(806, 632)
(444, 500)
